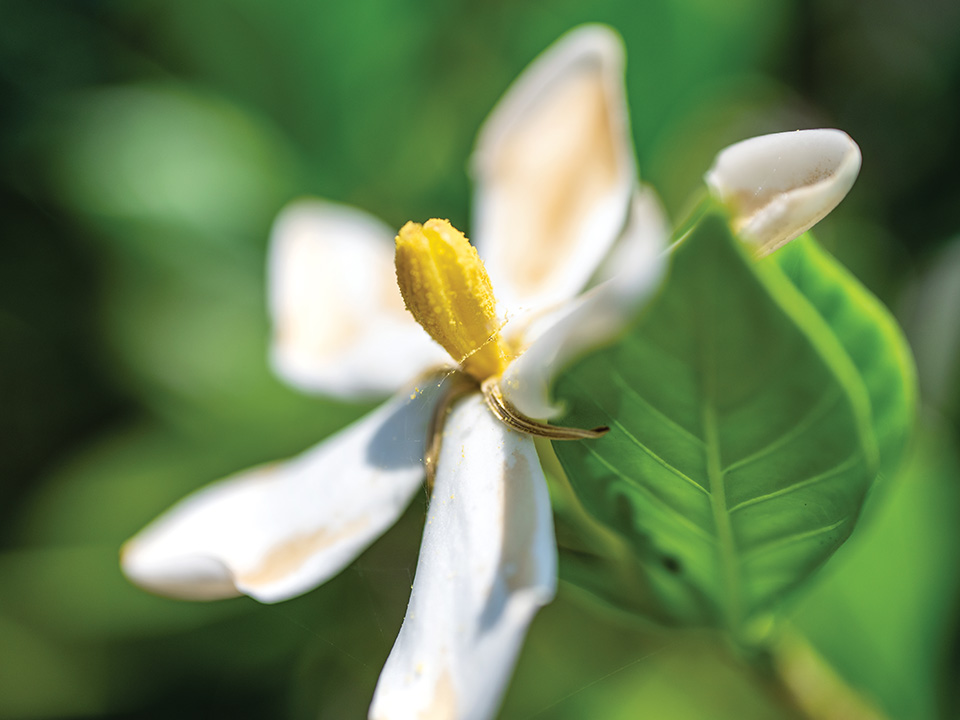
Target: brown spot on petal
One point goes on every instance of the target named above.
(444, 703)
(552, 169)
(268, 472)
(320, 314)
(818, 174)
(289, 557)
(750, 200)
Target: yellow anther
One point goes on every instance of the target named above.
(446, 288)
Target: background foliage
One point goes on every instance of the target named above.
(144, 151)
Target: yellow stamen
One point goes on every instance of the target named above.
(446, 288)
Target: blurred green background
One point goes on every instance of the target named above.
(145, 148)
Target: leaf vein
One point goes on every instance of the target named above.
(777, 543)
(666, 465)
(819, 409)
(676, 514)
(619, 379)
(819, 477)
(726, 541)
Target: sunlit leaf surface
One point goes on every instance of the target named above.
(868, 333)
(741, 444)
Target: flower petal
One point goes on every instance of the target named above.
(554, 170)
(781, 185)
(488, 562)
(279, 530)
(597, 316)
(339, 324)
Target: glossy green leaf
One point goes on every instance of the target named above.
(869, 334)
(741, 445)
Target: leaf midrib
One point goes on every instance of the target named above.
(726, 545)
(708, 332)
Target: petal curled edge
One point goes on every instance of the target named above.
(339, 324)
(554, 172)
(636, 267)
(279, 530)
(488, 562)
(781, 185)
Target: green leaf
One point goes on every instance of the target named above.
(741, 445)
(869, 334)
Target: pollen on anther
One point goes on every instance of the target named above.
(447, 290)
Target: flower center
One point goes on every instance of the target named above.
(447, 289)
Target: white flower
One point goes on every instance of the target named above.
(556, 195)
(781, 185)
(557, 210)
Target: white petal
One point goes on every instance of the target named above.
(554, 170)
(339, 324)
(781, 185)
(279, 530)
(594, 318)
(487, 564)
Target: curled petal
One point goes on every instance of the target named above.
(279, 530)
(781, 185)
(339, 324)
(554, 170)
(596, 317)
(488, 562)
